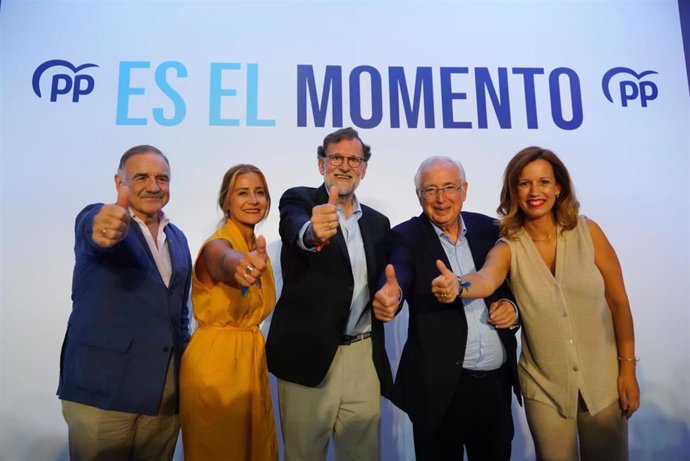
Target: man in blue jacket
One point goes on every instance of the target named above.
(129, 323)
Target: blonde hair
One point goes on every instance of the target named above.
(228, 184)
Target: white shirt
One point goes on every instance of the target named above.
(159, 248)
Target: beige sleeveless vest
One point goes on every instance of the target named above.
(568, 342)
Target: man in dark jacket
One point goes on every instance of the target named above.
(324, 346)
(458, 365)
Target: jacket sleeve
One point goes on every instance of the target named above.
(83, 227)
(295, 210)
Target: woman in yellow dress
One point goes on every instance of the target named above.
(226, 410)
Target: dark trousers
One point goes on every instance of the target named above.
(478, 420)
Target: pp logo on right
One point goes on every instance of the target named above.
(630, 90)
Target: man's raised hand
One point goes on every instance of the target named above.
(387, 299)
(111, 223)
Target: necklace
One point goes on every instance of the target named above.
(545, 239)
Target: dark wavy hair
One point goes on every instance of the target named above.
(228, 185)
(339, 135)
(566, 208)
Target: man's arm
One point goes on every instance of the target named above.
(306, 223)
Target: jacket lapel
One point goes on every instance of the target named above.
(365, 230)
(431, 241)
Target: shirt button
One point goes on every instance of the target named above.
(166, 349)
(575, 368)
(565, 314)
(570, 341)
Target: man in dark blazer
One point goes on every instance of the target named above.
(324, 346)
(459, 362)
(129, 323)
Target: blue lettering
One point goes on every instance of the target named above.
(179, 106)
(575, 99)
(483, 84)
(253, 98)
(397, 89)
(217, 92)
(56, 88)
(528, 74)
(356, 98)
(124, 91)
(333, 82)
(80, 90)
(447, 97)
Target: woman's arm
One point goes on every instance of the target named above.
(491, 275)
(607, 262)
(220, 262)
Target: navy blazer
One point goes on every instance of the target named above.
(432, 357)
(314, 305)
(125, 323)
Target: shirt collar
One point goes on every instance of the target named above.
(442, 235)
(163, 219)
(356, 208)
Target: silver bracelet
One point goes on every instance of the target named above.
(633, 359)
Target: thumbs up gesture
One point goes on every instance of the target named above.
(387, 299)
(324, 219)
(446, 286)
(253, 264)
(111, 223)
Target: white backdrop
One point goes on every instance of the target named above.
(176, 74)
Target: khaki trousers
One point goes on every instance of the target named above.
(346, 406)
(599, 437)
(103, 435)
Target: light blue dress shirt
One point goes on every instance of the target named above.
(484, 350)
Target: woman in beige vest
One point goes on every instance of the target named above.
(577, 368)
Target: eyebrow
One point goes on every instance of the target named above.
(443, 185)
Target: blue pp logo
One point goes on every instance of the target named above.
(630, 90)
(63, 83)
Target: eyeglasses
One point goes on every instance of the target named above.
(432, 192)
(337, 160)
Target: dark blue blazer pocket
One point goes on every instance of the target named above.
(98, 361)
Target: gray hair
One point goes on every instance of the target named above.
(137, 150)
(433, 161)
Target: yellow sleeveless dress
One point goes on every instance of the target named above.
(226, 411)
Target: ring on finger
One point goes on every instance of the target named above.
(249, 269)
(244, 276)
(104, 230)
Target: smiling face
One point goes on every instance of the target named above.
(444, 206)
(147, 176)
(537, 189)
(344, 177)
(247, 203)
